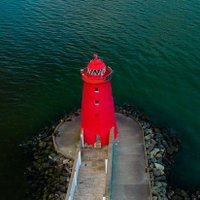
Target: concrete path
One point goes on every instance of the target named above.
(129, 180)
(92, 176)
(66, 137)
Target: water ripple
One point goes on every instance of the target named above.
(153, 47)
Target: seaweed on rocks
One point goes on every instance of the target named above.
(49, 172)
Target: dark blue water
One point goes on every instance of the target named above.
(153, 47)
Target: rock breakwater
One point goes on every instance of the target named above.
(49, 172)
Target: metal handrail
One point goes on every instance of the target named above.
(74, 176)
(107, 192)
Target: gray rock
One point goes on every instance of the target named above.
(156, 172)
(160, 178)
(150, 147)
(65, 161)
(146, 125)
(148, 131)
(171, 150)
(154, 152)
(158, 184)
(148, 137)
(159, 166)
(159, 155)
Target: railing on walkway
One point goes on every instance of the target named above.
(109, 163)
(74, 176)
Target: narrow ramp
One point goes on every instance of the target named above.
(129, 179)
(92, 176)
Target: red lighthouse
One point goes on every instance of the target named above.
(97, 115)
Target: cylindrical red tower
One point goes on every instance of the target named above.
(97, 113)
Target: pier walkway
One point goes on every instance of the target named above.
(129, 179)
(92, 176)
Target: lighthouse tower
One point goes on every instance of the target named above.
(97, 112)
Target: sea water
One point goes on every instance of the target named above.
(152, 46)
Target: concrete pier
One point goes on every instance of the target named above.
(129, 180)
(129, 177)
(92, 176)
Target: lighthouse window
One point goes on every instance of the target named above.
(96, 102)
(96, 90)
